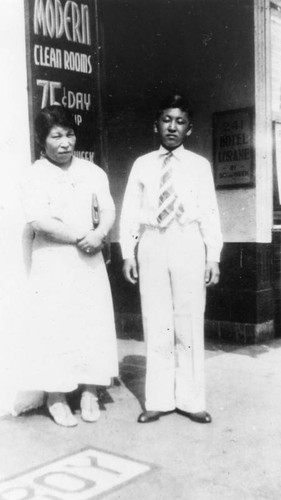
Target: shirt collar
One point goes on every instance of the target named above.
(177, 153)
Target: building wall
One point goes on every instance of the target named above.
(204, 48)
(14, 148)
(14, 156)
(210, 51)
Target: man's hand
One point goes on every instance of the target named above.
(92, 242)
(130, 270)
(212, 273)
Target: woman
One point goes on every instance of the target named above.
(71, 335)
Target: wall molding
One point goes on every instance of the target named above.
(263, 118)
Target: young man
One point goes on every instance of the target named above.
(171, 242)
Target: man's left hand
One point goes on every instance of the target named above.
(212, 273)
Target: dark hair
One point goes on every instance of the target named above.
(50, 117)
(174, 101)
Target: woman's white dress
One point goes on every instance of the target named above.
(69, 335)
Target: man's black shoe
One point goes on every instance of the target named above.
(150, 416)
(201, 417)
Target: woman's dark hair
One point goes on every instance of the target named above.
(174, 101)
(52, 116)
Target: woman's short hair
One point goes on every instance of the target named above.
(174, 101)
(52, 116)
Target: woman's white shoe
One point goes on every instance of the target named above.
(60, 411)
(90, 411)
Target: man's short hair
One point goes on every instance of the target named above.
(174, 101)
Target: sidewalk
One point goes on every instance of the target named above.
(237, 457)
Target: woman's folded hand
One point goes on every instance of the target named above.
(92, 242)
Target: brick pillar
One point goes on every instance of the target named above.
(241, 308)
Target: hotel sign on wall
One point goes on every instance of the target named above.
(233, 148)
(62, 63)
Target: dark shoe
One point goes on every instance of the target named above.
(150, 416)
(201, 417)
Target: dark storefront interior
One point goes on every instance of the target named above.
(154, 48)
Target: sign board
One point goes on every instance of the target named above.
(233, 148)
(63, 65)
(84, 475)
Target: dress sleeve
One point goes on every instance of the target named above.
(130, 221)
(105, 199)
(34, 196)
(209, 215)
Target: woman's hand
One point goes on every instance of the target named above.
(92, 242)
(130, 270)
(212, 273)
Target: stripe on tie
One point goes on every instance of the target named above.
(169, 206)
(167, 197)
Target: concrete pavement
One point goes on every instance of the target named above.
(238, 456)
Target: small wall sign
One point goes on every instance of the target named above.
(233, 148)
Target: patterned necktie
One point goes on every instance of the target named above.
(169, 206)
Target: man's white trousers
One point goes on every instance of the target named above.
(171, 269)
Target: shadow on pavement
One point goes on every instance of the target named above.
(250, 350)
(132, 374)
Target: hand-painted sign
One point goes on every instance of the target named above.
(63, 64)
(85, 475)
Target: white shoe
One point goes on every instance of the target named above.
(60, 411)
(90, 411)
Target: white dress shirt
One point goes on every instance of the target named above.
(194, 185)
